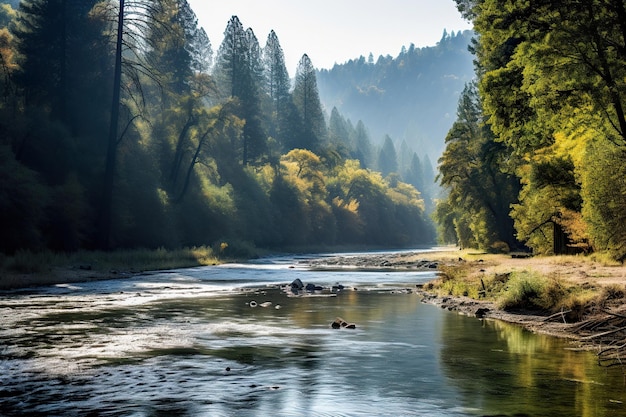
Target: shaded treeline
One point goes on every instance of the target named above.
(121, 128)
(536, 156)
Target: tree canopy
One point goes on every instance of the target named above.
(121, 129)
(552, 86)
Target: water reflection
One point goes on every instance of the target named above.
(502, 368)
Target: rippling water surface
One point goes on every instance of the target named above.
(188, 343)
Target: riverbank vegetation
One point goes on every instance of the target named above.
(135, 260)
(572, 288)
(121, 129)
(534, 160)
(26, 268)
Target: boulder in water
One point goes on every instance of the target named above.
(340, 323)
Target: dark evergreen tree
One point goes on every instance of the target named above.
(61, 52)
(255, 135)
(276, 86)
(480, 193)
(339, 134)
(363, 146)
(197, 43)
(387, 157)
(231, 68)
(428, 172)
(307, 100)
(63, 90)
(238, 73)
(169, 54)
(405, 157)
(415, 174)
(255, 60)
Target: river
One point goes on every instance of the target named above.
(231, 340)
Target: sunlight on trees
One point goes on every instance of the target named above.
(552, 84)
(122, 131)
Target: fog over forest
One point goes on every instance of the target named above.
(412, 97)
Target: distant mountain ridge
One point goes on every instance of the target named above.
(412, 97)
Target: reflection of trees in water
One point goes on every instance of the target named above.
(379, 357)
(354, 306)
(502, 368)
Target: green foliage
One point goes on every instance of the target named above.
(190, 162)
(235, 249)
(480, 191)
(549, 196)
(529, 291)
(22, 203)
(135, 260)
(307, 101)
(552, 82)
(603, 190)
(26, 262)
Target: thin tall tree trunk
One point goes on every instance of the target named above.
(180, 148)
(63, 75)
(109, 170)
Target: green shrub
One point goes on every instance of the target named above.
(525, 291)
(458, 288)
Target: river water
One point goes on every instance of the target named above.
(192, 343)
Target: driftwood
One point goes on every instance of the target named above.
(561, 313)
(609, 331)
(606, 333)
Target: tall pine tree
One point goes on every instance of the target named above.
(307, 99)
(276, 86)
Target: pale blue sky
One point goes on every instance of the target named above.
(334, 31)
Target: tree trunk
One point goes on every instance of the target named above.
(104, 228)
(178, 155)
(559, 245)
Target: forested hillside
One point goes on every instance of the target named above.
(536, 155)
(122, 125)
(411, 97)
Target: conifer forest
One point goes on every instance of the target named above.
(123, 126)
